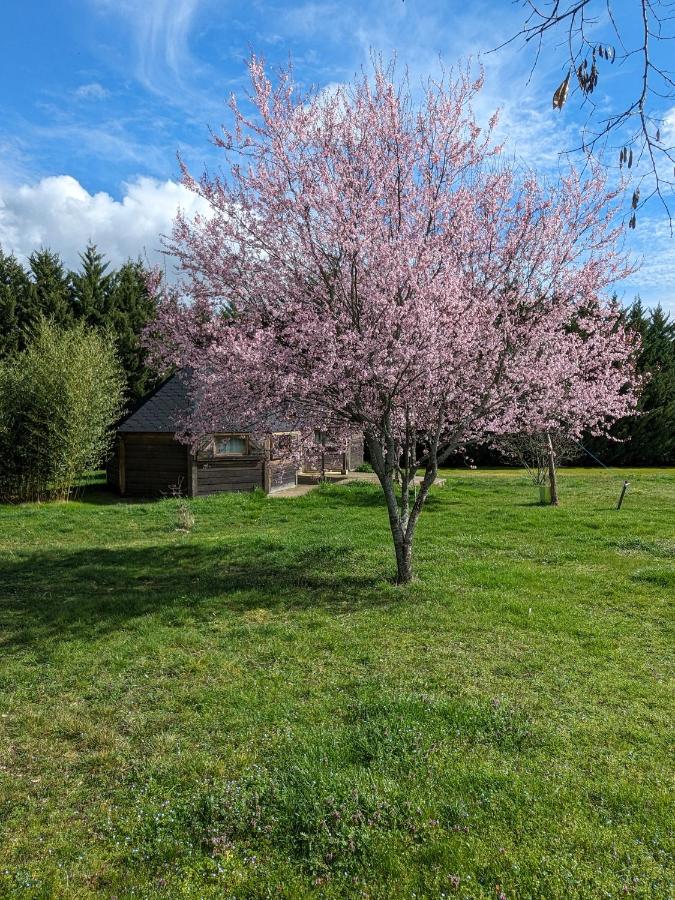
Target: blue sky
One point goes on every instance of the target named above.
(97, 97)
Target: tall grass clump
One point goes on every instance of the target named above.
(58, 402)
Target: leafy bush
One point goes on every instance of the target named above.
(364, 467)
(58, 401)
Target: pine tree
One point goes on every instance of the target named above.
(658, 358)
(51, 289)
(130, 308)
(649, 437)
(654, 431)
(15, 289)
(91, 288)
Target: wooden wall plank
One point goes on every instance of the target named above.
(155, 466)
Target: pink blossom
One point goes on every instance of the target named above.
(372, 265)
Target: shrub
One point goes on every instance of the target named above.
(58, 402)
(364, 467)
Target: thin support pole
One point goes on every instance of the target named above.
(623, 493)
(552, 474)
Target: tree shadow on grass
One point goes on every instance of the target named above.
(361, 494)
(100, 494)
(351, 494)
(48, 596)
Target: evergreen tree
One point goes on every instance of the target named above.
(51, 289)
(653, 433)
(15, 289)
(636, 317)
(117, 302)
(91, 288)
(648, 438)
(130, 308)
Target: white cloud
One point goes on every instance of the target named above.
(91, 91)
(14, 156)
(668, 128)
(429, 38)
(57, 212)
(160, 30)
(654, 246)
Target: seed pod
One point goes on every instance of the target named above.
(658, 134)
(560, 95)
(630, 159)
(636, 198)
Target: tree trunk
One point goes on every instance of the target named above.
(403, 518)
(404, 570)
(402, 536)
(552, 475)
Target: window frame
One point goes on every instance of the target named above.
(278, 451)
(227, 436)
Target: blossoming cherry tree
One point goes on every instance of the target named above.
(371, 264)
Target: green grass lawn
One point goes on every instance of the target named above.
(253, 709)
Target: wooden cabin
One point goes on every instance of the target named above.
(332, 459)
(149, 461)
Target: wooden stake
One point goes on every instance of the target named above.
(552, 476)
(623, 494)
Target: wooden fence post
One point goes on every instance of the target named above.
(623, 493)
(553, 478)
(192, 485)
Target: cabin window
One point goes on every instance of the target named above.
(325, 440)
(230, 445)
(283, 442)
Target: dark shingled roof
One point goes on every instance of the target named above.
(165, 409)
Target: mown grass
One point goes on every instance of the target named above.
(253, 709)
